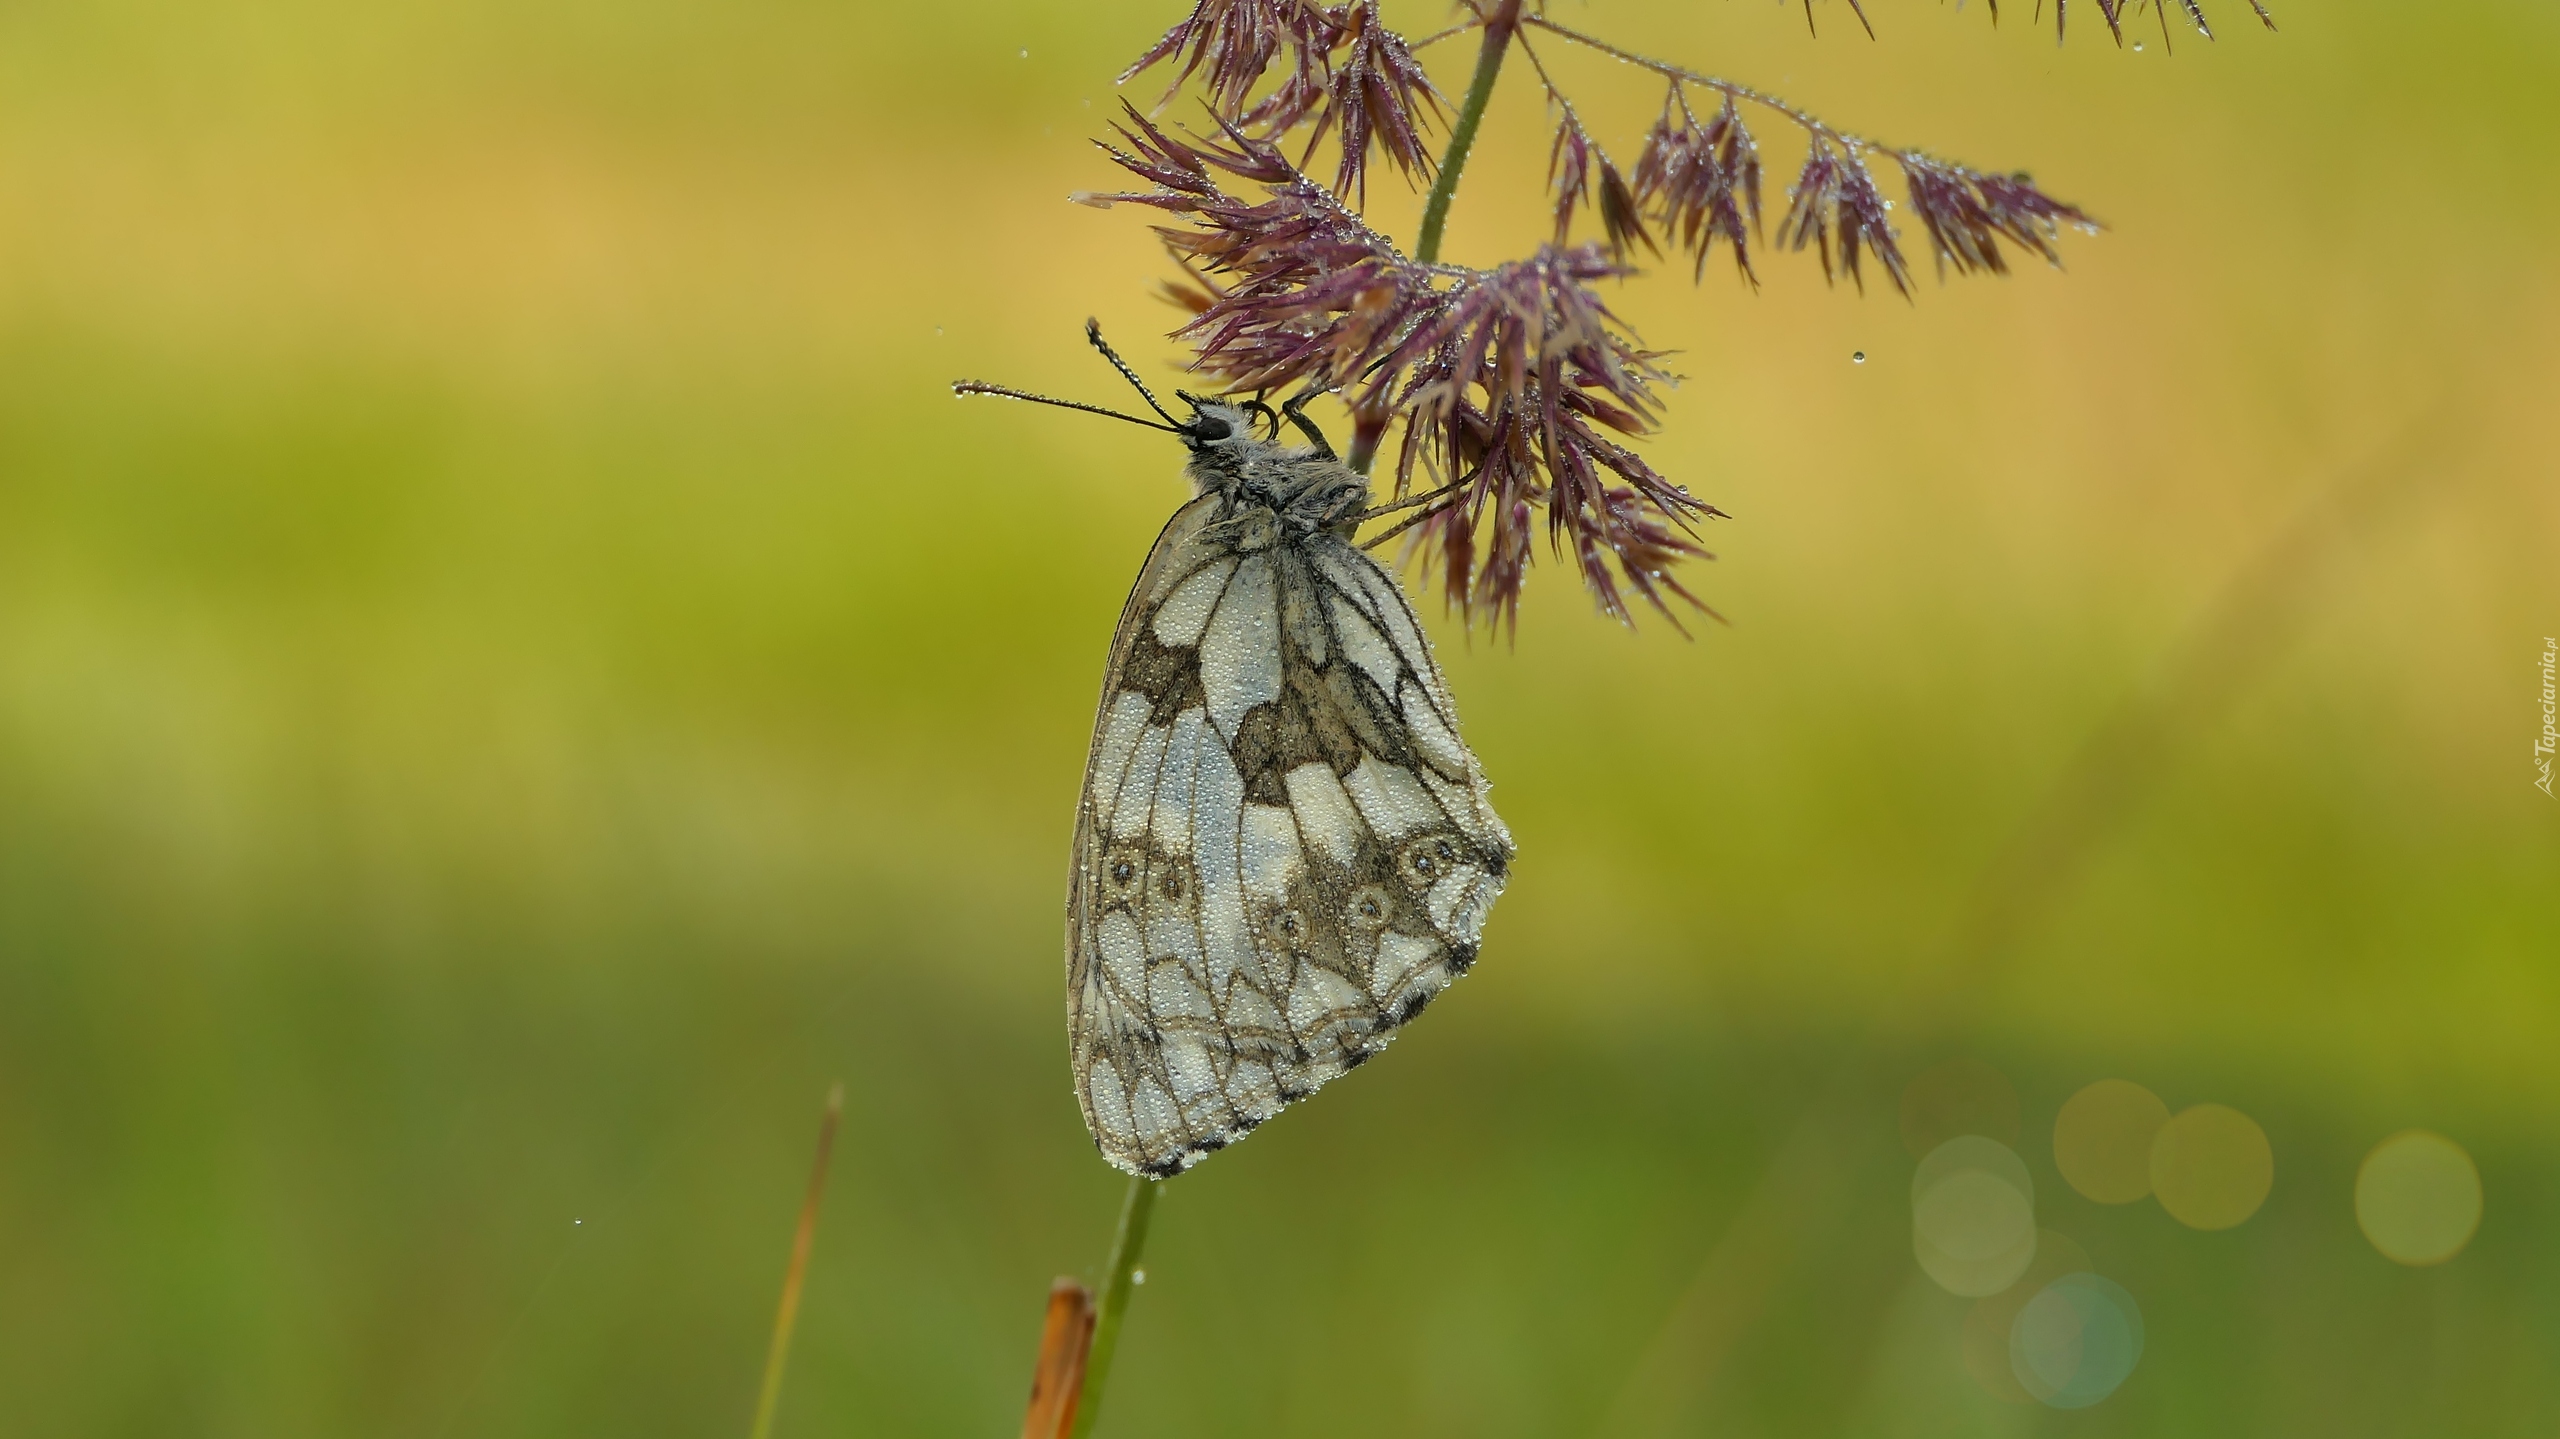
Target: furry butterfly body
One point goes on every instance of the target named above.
(1283, 850)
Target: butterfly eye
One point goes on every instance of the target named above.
(1210, 428)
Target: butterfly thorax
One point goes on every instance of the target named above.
(1300, 489)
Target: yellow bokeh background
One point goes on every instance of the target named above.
(515, 672)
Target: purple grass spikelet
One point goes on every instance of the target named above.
(1511, 395)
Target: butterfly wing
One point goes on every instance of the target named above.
(1283, 850)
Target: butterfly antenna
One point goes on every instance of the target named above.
(981, 387)
(1093, 335)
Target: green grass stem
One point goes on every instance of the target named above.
(787, 1313)
(1498, 30)
(1127, 1248)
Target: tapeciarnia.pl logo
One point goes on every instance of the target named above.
(2550, 737)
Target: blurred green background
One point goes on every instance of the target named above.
(515, 672)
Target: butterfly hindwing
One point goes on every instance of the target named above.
(1283, 850)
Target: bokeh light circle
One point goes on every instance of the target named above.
(2211, 1167)
(2102, 1140)
(1973, 1216)
(1985, 1341)
(2076, 1340)
(2418, 1197)
(1958, 1097)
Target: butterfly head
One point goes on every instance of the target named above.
(1306, 486)
(1218, 427)
(1226, 454)
(1220, 435)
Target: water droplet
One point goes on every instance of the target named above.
(1027, 54)
(2137, 47)
(577, 1221)
(1858, 357)
(1137, 1276)
(937, 329)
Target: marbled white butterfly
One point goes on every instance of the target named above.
(1283, 850)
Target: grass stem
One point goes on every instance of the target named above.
(1127, 1248)
(1498, 30)
(1057, 1380)
(787, 1313)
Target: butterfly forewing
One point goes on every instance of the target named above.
(1283, 850)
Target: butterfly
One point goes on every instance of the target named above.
(1283, 850)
